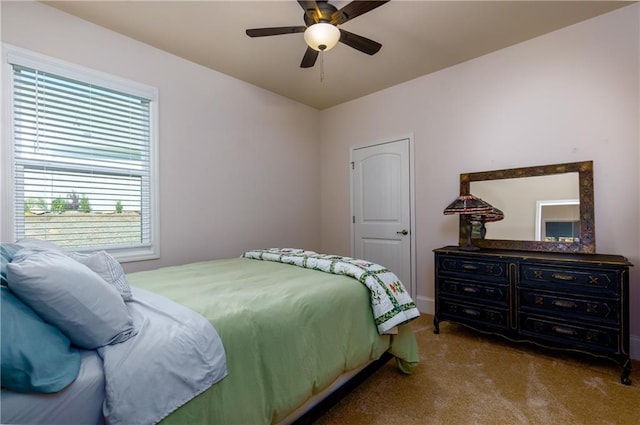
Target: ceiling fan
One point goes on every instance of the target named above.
(321, 30)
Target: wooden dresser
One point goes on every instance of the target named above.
(575, 302)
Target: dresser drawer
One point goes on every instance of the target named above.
(570, 334)
(602, 310)
(584, 280)
(474, 290)
(478, 268)
(473, 314)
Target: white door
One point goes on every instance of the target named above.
(381, 206)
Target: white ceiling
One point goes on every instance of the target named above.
(417, 37)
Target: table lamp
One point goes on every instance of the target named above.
(469, 205)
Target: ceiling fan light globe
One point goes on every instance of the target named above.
(322, 36)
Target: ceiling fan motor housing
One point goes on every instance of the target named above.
(320, 14)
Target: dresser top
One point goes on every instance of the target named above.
(539, 255)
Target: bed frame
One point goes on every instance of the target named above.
(335, 395)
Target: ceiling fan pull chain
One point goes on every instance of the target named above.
(322, 67)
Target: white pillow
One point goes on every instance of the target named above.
(107, 268)
(100, 262)
(69, 295)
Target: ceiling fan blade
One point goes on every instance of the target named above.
(264, 32)
(359, 42)
(309, 58)
(353, 10)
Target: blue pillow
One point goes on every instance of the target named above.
(71, 296)
(36, 356)
(7, 251)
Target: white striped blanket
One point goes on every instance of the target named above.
(391, 303)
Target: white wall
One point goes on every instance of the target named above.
(239, 165)
(572, 95)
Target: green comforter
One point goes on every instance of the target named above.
(288, 333)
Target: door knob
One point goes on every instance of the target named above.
(403, 232)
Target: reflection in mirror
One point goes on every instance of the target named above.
(518, 198)
(546, 208)
(558, 220)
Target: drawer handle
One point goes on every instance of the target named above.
(471, 312)
(563, 276)
(564, 331)
(564, 304)
(470, 290)
(469, 267)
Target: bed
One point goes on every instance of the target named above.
(292, 334)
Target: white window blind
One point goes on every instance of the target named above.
(82, 163)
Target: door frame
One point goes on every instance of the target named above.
(412, 286)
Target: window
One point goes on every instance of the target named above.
(82, 148)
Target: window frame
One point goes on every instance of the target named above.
(11, 55)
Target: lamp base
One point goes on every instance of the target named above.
(468, 245)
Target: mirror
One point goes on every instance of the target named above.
(546, 208)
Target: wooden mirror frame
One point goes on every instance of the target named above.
(587, 242)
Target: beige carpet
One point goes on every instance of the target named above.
(466, 377)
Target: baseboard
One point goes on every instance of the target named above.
(425, 305)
